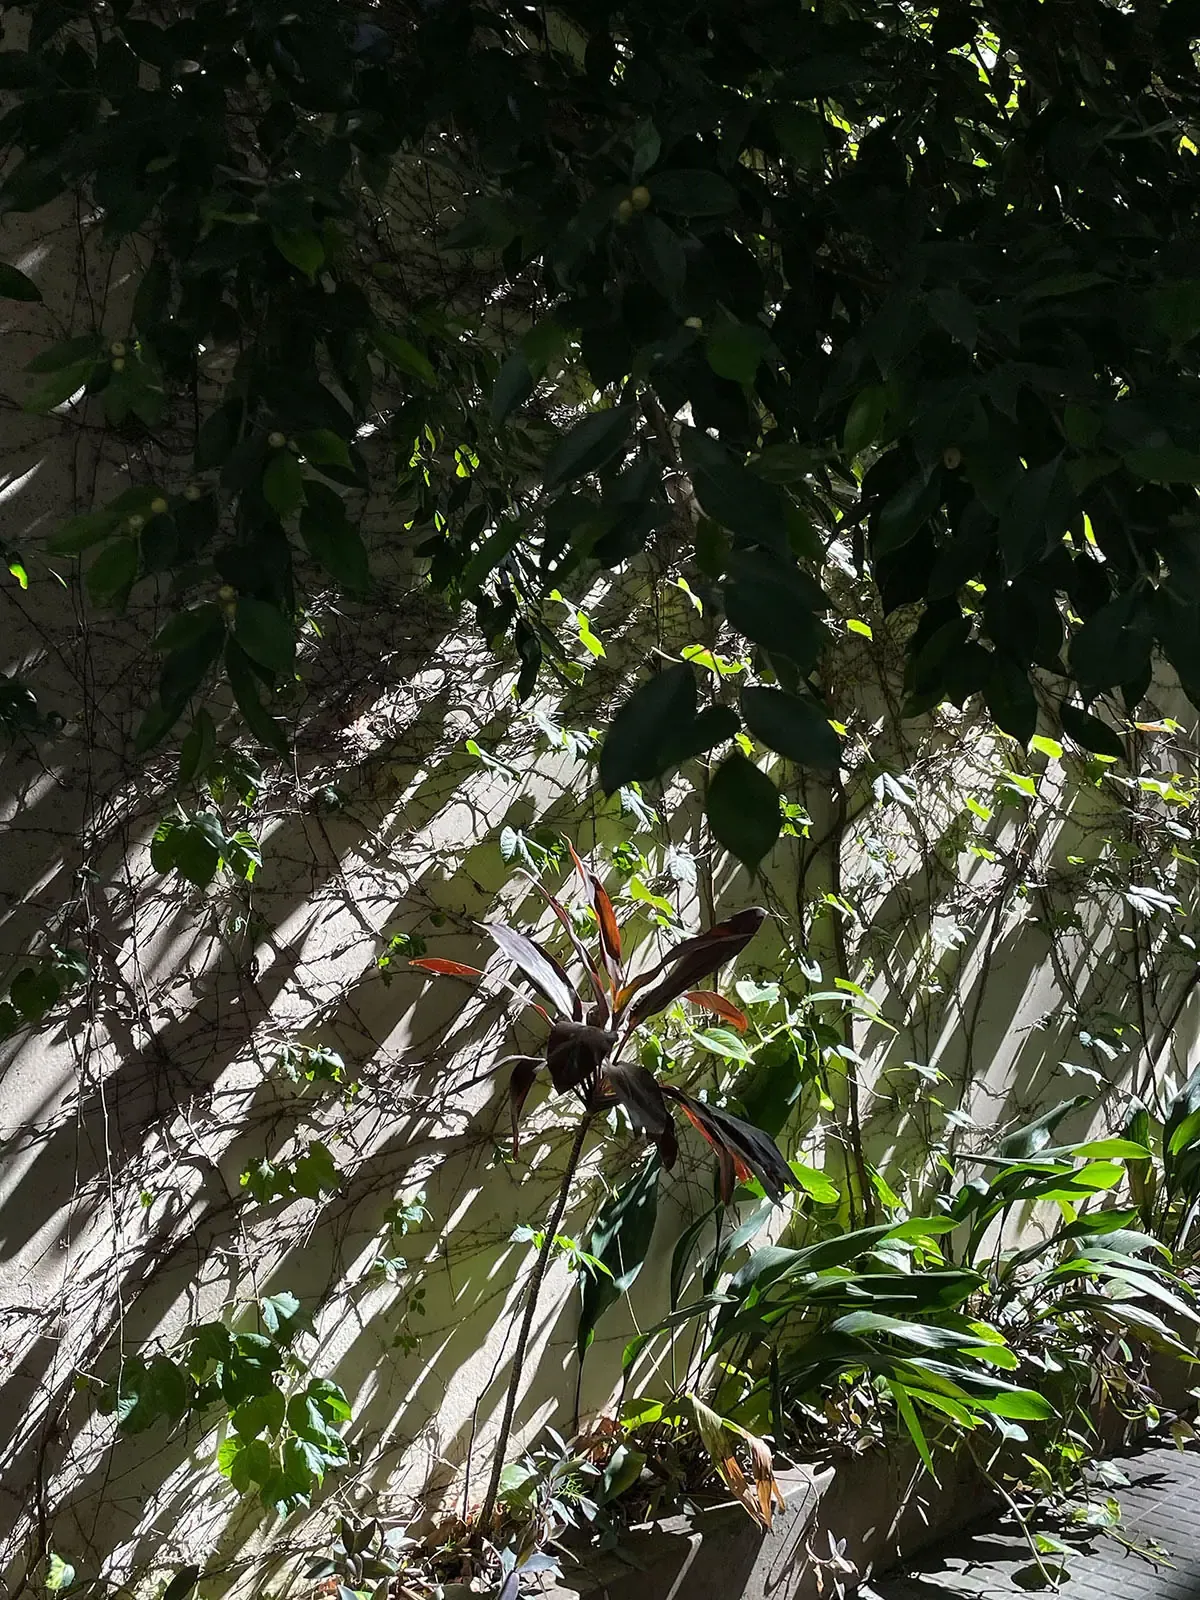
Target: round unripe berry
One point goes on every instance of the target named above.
(117, 348)
(951, 457)
(118, 364)
(625, 211)
(694, 322)
(227, 595)
(276, 439)
(136, 523)
(640, 197)
(158, 506)
(193, 492)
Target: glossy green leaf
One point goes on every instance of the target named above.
(620, 1238)
(743, 810)
(644, 727)
(793, 727)
(591, 444)
(283, 484)
(265, 634)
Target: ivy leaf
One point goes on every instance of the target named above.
(60, 1574)
(793, 727)
(645, 726)
(266, 635)
(278, 1311)
(743, 810)
(591, 444)
(14, 285)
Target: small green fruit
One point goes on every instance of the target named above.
(118, 364)
(640, 198)
(193, 492)
(625, 211)
(116, 349)
(276, 440)
(158, 506)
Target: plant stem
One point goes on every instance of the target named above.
(535, 1284)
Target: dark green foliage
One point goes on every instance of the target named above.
(924, 279)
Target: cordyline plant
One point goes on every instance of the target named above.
(586, 1039)
(583, 1056)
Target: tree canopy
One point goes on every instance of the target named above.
(787, 291)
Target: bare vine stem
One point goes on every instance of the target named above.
(535, 1284)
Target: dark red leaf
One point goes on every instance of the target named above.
(575, 1052)
(692, 959)
(718, 1003)
(443, 968)
(740, 1147)
(519, 1085)
(639, 1092)
(541, 968)
(446, 969)
(560, 911)
(610, 933)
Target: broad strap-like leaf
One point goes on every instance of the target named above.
(741, 1148)
(541, 968)
(606, 919)
(620, 1238)
(717, 1003)
(575, 1052)
(519, 1084)
(639, 1092)
(577, 944)
(446, 969)
(440, 967)
(690, 960)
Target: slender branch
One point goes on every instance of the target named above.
(535, 1284)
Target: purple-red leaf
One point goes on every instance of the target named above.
(692, 959)
(560, 911)
(606, 918)
(541, 968)
(446, 969)
(741, 1147)
(519, 1085)
(575, 1052)
(717, 1003)
(639, 1092)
